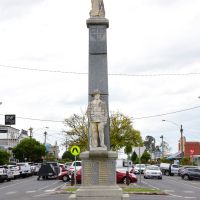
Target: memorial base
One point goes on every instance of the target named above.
(99, 177)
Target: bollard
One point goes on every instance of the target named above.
(72, 179)
(127, 178)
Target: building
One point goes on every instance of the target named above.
(191, 149)
(53, 150)
(10, 136)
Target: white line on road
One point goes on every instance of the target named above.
(15, 184)
(47, 186)
(184, 183)
(31, 191)
(150, 185)
(13, 192)
(188, 191)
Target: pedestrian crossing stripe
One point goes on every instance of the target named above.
(75, 150)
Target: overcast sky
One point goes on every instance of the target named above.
(152, 38)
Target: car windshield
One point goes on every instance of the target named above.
(152, 168)
(140, 165)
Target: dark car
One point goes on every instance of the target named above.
(181, 169)
(56, 167)
(47, 171)
(120, 177)
(191, 173)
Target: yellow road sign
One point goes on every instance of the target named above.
(75, 150)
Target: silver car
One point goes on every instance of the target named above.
(152, 171)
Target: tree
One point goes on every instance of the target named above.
(145, 157)
(122, 133)
(29, 149)
(134, 158)
(68, 157)
(4, 157)
(149, 143)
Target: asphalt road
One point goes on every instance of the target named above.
(175, 187)
(31, 189)
(28, 188)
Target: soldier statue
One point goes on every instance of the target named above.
(97, 116)
(97, 9)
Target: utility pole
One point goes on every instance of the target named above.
(45, 137)
(181, 142)
(162, 146)
(31, 132)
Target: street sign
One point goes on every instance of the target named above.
(191, 151)
(9, 119)
(75, 150)
(139, 151)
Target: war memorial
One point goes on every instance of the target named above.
(99, 162)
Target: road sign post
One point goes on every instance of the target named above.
(139, 151)
(75, 151)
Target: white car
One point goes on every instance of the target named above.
(152, 171)
(72, 167)
(139, 168)
(15, 170)
(3, 174)
(25, 169)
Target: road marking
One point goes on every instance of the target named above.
(151, 185)
(13, 192)
(184, 183)
(47, 186)
(189, 191)
(167, 191)
(15, 184)
(49, 190)
(31, 191)
(190, 197)
(175, 195)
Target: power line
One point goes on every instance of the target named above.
(169, 113)
(111, 74)
(136, 118)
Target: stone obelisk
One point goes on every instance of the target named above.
(99, 163)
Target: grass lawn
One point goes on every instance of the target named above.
(126, 190)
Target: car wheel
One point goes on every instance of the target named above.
(167, 173)
(186, 177)
(65, 178)
(124, 180)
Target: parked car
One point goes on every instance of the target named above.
(9, 173)
(37, 167)
(56, 166)
(15, 170)
(191, 173)
(47, 171)
(64, 175)
(3, 174)
(181, 169)
(139, 168)
(72, 166)
(25, 169)
(169, 169)
(152, 171)
(120, 177)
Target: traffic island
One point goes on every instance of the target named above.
(125, 189)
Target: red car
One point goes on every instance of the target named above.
(64, 175)
(120, 177)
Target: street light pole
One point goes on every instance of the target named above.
(181, 131)
(162, 145)
(181, 142)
